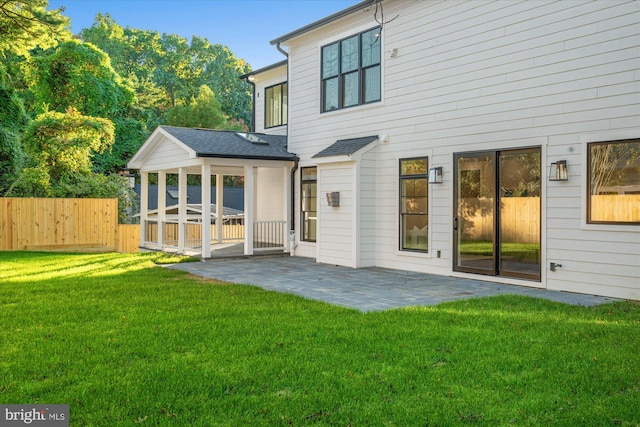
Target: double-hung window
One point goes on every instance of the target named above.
(309, 201)
(351, 73)
(414, 204)
(614, 182)
(275, 107)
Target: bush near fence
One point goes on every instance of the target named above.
(74, 225)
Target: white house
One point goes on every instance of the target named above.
(484, 139)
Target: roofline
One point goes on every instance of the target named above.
(323, 21)
(236, 156)
(263, 69)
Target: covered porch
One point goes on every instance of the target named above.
(206, 157)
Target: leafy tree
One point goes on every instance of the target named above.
(202, 112)
(129, 136)
(25, 24)
(59, 146)
(80, 75)
(175, 66)
(12, 120)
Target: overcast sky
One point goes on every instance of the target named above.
(245, 26)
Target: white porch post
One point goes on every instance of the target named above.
(144, 206)
(162, 206)
(249, 207)
(206, 210)
(182, 208)
(219, 208)
(286, 179)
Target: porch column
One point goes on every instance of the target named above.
(162, 206)
(219, 208)
(144, 206)
(182, 208)
(286, 205)
(206, 210)
(249, 208)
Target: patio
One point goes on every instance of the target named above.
(365, 289)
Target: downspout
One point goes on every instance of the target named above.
(253, 102)
(295, 166)
(293, 207)
(282, 51)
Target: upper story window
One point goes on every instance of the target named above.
(351, 73)
(614, 182)
(275, 107)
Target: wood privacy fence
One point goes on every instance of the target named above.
(78, 225)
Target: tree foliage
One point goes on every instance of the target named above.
(175, 66)
(25, 24)
(94, 101)
(12, 119)
(80, 75)
(62, 143)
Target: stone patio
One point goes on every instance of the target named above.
(365, 289)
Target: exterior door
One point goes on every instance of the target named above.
(496, 224)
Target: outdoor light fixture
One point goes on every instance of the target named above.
(333, 199)
(435, 175)
(558, 171)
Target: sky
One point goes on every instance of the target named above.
(245, 26)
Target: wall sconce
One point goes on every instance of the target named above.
(558, 171)
(333, 199)
(435, 175)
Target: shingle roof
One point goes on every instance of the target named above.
(344, 147)
(230, 144)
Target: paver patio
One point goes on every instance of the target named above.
(365, 289)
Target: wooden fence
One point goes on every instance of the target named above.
(77, 225)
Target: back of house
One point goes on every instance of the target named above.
(496, 140)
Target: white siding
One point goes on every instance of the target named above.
(166, 155)
(270, 193)
(481, 75)
(366, 177)
(336, 225)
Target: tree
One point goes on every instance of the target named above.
(202, 112)
(25, 24)
(80, 75)
(12, 120)
(62, 143)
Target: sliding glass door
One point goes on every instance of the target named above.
(497, 213)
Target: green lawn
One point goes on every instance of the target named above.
(123, 342)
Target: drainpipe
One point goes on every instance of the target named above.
(251, 80)
(293, 206)
(282, 51)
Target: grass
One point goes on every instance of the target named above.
(125, 342)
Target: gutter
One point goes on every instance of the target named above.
(321, 22)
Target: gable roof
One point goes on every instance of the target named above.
(323, 21)
(346, 147)
(232, 145)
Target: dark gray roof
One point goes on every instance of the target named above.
(323, 21)
(344, 147)
(232, 145)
